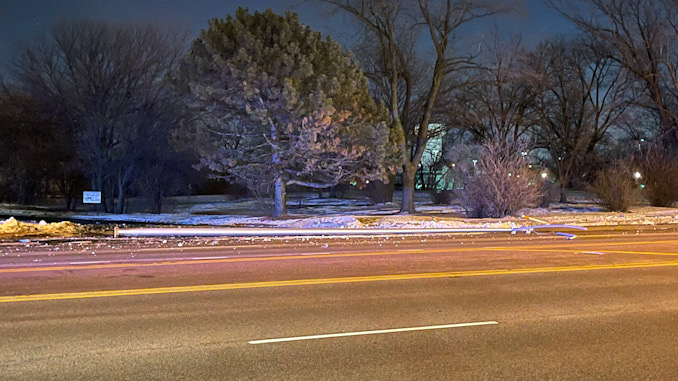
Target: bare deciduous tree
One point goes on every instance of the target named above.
(395, 26)
(496, 104)
(643, 37)
(580, 95)
(109, 83)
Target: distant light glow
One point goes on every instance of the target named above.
(544, 175)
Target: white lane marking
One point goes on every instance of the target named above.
(592, 252)
(186, 248)
(159, 260)
(380, 331)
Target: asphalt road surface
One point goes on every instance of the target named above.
(453, 307)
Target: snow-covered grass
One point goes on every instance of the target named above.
(309, 211)
(592, 215)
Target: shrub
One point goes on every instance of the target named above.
(659, 169)
(501, 184)
(615, 188)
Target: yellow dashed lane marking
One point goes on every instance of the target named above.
(576, 251)
(227, 260)
(573, 247)
(640, 252)
(578, 244)
(308, 282)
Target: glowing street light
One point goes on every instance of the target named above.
(544, 175)
(637, 175)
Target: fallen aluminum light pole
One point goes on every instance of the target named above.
(286, 232)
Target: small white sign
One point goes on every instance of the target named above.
(91, 197)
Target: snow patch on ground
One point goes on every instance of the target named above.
(340, 222)
(216, 220)
(576, 215)
(395, 222)
(592, 215)
(311, 222)
(314, 212)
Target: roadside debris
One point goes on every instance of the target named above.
(11, 228)
(287, 232)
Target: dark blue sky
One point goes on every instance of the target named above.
(22, 20)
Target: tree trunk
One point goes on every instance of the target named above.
(669, 130)
(120, 205)
(563, 195)
(280, 198)
(107, 200)
(70, 193)
(407, 205)
(668, 125)
(98, 185)
(158, 196)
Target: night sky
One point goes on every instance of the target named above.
(22, 20)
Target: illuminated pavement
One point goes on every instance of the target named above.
(603, 306)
